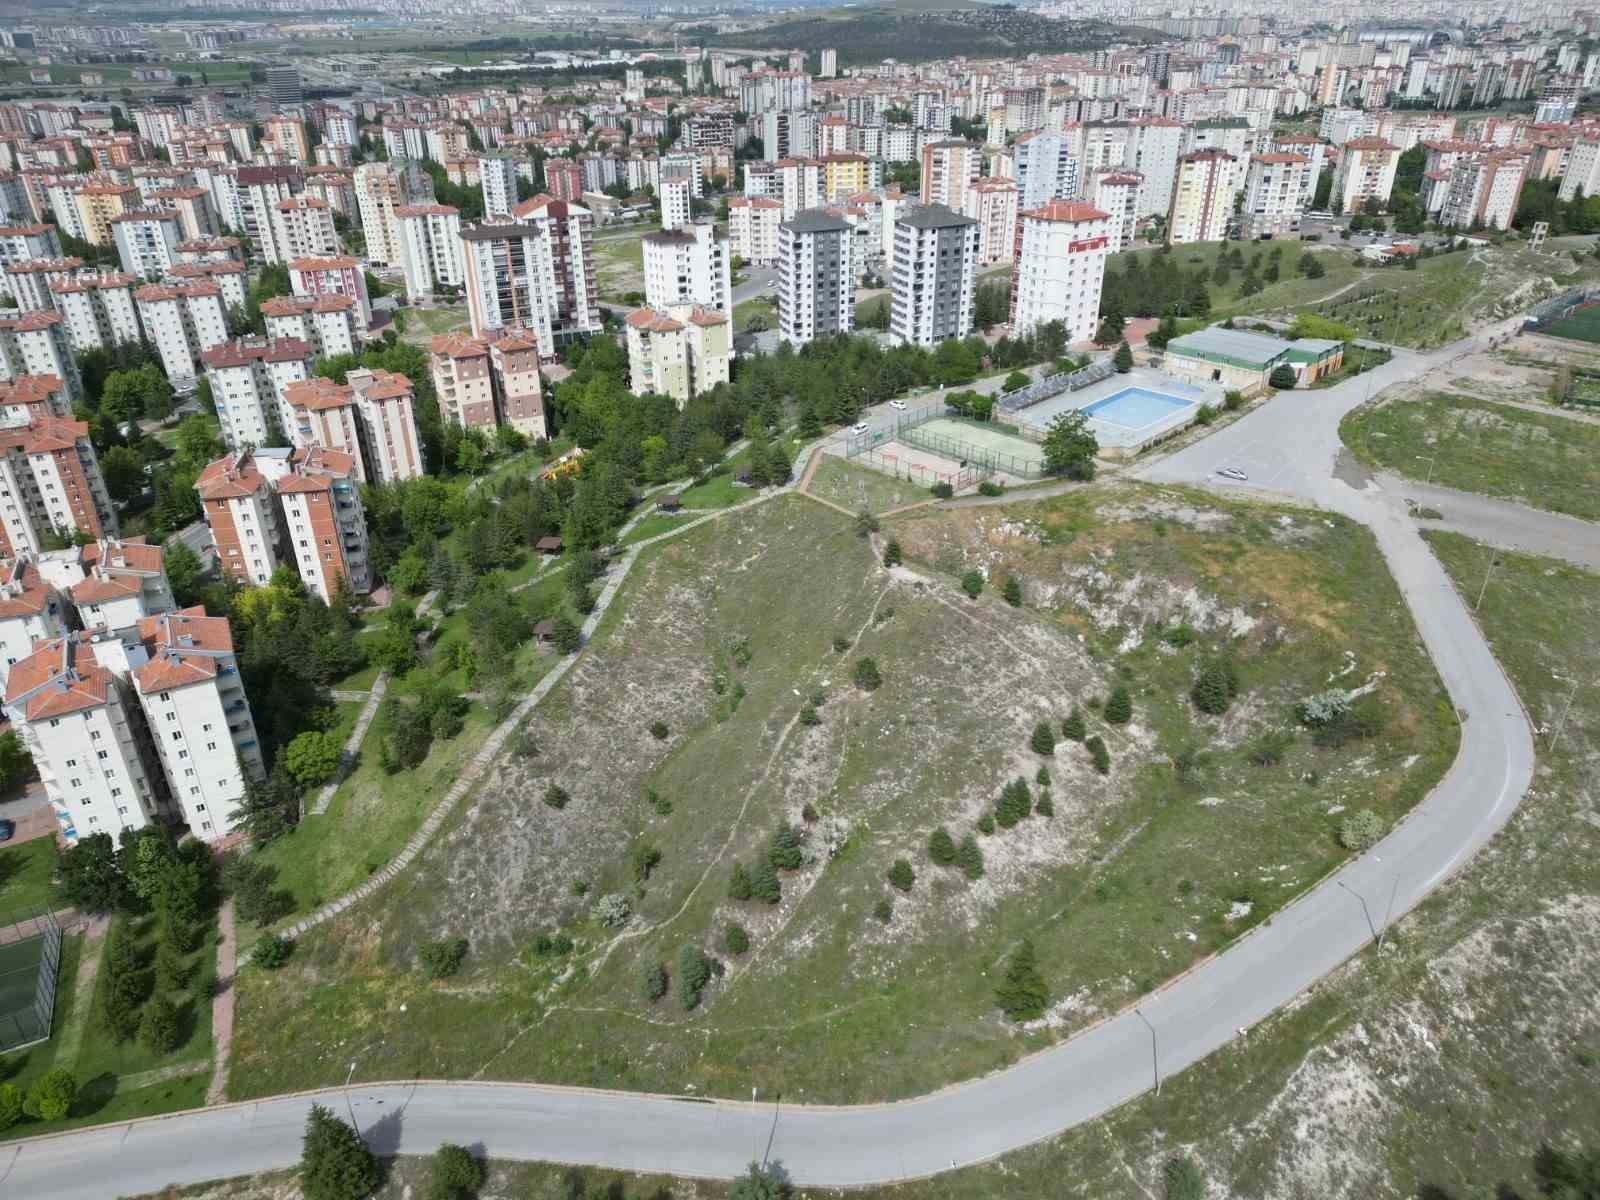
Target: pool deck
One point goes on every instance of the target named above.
(1120, 438)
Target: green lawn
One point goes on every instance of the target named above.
(98, 1053)
(440, 320)
(25, 870)
(760, 306)
(1545, 460)
(722, 636)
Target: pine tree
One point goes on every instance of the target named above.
(764, 884)
(457, 1175)
(1022, 994)
(969, 858)
(1119, 707)
(1011, 590)
(1015, 803)
(941, 847)
(335, 1163)
(1097, 751)
(1044, 738)
(1044, 806)
(891, 554)
(158, 1029)
(1123, 358)
(1073, 728)
(1210, 694)
(901, 875)
(783, 848)
(739, 883)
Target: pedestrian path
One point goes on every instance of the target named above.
(222, 1004)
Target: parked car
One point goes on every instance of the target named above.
(898, 405)
(1233, 473)
(8, 830)
(859, 428)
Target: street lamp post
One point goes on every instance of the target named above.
(1561, 724)
(347, 1103)
(1430, 459)
(1493, 563)
(1371, 928)
(1155, 1063)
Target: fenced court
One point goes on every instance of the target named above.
(1574, 315)
(921, 467)
(30, 961)
(961, 441)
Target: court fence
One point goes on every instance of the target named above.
(30, 966)
(1557, 308)
(893, 465)
(907, 428)
(1053, 385)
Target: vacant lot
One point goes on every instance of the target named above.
(1544, 460)
(848, 485)
(724, 637)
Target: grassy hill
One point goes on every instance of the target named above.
(923, 29)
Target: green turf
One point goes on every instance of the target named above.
(1583, 325)
(25, 870)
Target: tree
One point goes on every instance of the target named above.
(694, 972)
(764, 883)
(90, 878)
(941, 847)
(313, 757)
(443, 958)
(51, 1096)
(892, 554)
(124, 473)
(1119, 706)
(652, 981)
(1282, 377)
(1097, 750)
(972, 583)
(270, 807)
(866, 676)
(1015, 803)
(567, 636)
(1015, 381)
(901, 875)
(735, 939)
(1011, 590)
(1183, 1179)
(1044, 738)
(335, 1163)
(11, 1101)
(183, 572)
(454, 1174)
(158, 1030)
(1073, 727)
(762, 1182)
(783, 848)
(969, 858)
(1211, 693)
(1070, 446)
(1022, 993)
(1123, 358)
(739, 883)
(1361, 830)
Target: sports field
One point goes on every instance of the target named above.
(1580, 325)
(1006, 453)
(19, 979)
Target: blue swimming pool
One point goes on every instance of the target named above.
(1137, 408)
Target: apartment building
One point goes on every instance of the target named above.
(933, 275)
(249, 377)
(677, 209)
(948, 169)
(1365, 172)
(259, 191)
(112, 585)
(680, 351)
(31, 610)
(1116, 193)
(570, 282)
(327, 323)
(237, 502)
(563, 180)
(534, 273)
(1060, 266)
(1277, 191)
(200, 723)
(29, 398)
(323, 521)
(1045, 167)
(488, 381)
(95, 204)
(322, 414)
(992, 203)
(227, 275)
(50, 486)
(35, 343)
(1202, 197)
(147, 241)
(497, 178)
(183, 320)
(430, 248)
(87, 736)
(816, 289)
(1483, 190)
(382, 187)
(196, 218)
(691, 265)
(339, 275)
(753, 228)
(26, 243)
(29, 283)
(303, 228)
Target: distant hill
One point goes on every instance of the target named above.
(914, 30)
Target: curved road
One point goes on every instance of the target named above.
(1289, 447)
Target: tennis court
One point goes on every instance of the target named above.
(1580, 325)
(30, 956)
(1005, 453)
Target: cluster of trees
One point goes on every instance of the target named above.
(146, 875)
(48, 1098)
(1540, 201)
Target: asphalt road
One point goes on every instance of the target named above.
(1288, 447)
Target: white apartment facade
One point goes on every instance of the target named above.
(430, 248)
(691, 265)
(1060, 267)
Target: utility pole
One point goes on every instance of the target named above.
(1155, 1063)
(1493, 563)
